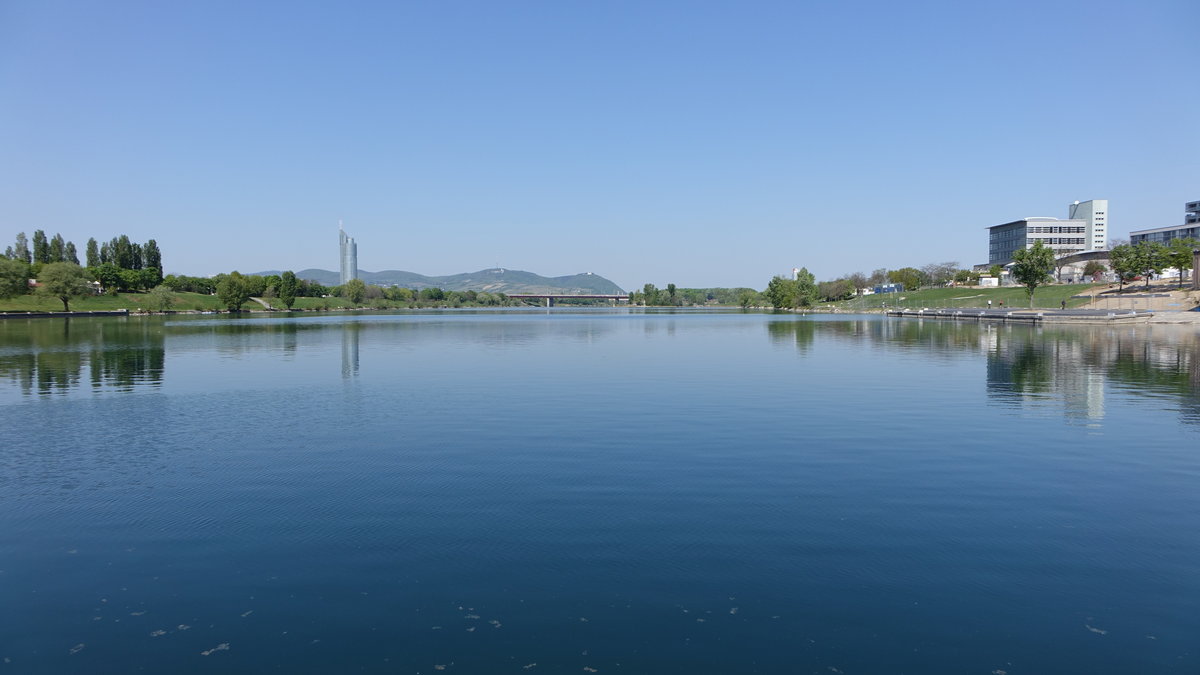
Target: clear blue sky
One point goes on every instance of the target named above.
(699, 143)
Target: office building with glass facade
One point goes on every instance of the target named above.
(1162, 235)
(1064, 237)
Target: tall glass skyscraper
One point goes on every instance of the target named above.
(349, 255)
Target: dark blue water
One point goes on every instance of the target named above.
(565, 491)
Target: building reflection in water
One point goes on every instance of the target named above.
(350, 339)
(1074, 367)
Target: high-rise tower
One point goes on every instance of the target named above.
(349, 255)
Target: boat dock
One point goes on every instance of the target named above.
(1007, 315)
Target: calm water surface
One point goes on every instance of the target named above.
(562, 491)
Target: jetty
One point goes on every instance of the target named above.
(1009, 315)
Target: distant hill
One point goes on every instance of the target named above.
(495, 280)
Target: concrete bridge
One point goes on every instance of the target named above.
(551, 297)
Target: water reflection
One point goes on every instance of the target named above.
(350, 350)
(47, 356)
(1074, 367)
(1070, 368)
(799, 333)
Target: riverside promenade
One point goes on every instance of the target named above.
(1038, 316)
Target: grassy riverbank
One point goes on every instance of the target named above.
(96, 303)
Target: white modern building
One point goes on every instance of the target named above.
(1064, 237)
(1189, 230)
(1095, 213)
(348, 251)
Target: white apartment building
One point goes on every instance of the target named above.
(1095, 213)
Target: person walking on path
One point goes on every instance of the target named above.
(1064, 304)
(989, 304)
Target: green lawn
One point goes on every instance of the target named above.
(313, 303)
(130, 301)
(1046, 296)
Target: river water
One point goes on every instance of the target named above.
(605, 491)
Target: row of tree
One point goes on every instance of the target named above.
(118, 264)
(804, 290)
(119, 251)
(1147, 258)
(44, 251)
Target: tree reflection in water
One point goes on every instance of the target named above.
(47, 356)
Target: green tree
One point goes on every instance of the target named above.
(256, 285)
(70, 254)
(109, 276)
(747, 297)
(233, 290)
(1124, 262)
(131, 280)
(650, 295)
(838, 289)
(399, 294)
(41, 247)
(153, 258)
(1151, 258)
(21, 249)
(355, 291)
(1033, 267)
(287, 288)
(93, 253)
(122, 252)
(806, 288)
(14, 278)
(160, 299)
(996, 271)
(1179, 255)
(782, 293)
(58, 249)
(1093, 269)
(966, 277)
(149, 277)
(65, 281)
(911, 277)
(671, 293)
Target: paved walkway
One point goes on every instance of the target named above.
(1159, 298)
(1185, 318)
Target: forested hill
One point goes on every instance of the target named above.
(495, 280)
